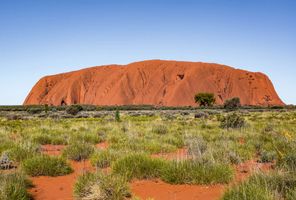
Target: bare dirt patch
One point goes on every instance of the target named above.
(159, 190)
(58, 188)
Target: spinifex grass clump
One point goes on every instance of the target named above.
(104, 158)
(14, 187)
(141, 166)
(193, 172)
(23, 150)
(101, 187)
(45, 165)
(273, 186)
(78, 151)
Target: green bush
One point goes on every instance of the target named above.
(78, 151)
(205, 99)
(74, 109)
(101, 187)
(232, 121)
(44, 165)
(233, 103)
(14, 187)
(117, 116)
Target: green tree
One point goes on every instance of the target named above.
(205, 99)
(232, 103)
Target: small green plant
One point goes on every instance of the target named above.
(205, 99)
(44, 165)
(74, 109)
(233, 103)
(14, 187)
(232, 121)
(117, 116)
(101, 187)
(78, 151)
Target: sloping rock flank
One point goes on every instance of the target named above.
(155, 82)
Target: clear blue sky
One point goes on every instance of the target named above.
(42, 37)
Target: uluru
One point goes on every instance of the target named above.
(153, 82)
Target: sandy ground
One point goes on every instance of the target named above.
(61, 188)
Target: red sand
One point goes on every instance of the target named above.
(159, 190)
(61, 188)
(155, 82)
(58, 188)
(102, 145)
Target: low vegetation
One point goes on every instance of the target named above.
(78, 151)
(101, 186)
(141, 166)
(14, 187)
(46, 166)
(177, 147)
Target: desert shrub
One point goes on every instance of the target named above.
(44, 165)
(117, 116)
(192, 172)
(103, 187)
(33, 110)
(78, 151)
(233, 103)
(205, 99)
(138, 166)
(266, 157)
(103, 158)
(74, 109)
(201, 115)
(23, 151)
(14, 187)
(160, 129)
(232, 121)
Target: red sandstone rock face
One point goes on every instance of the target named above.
(156, 82)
